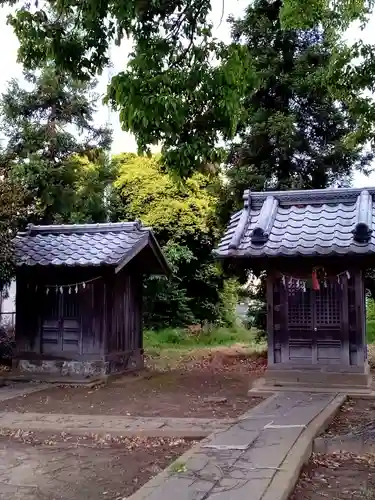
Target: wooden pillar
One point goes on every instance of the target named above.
(360, 317)
(284, 330)
(28, 316)
(270, 321)
(109, 326)
(345, 346)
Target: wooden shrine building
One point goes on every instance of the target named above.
(79, 297)
(314, 246)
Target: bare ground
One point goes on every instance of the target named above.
(170, 394)
(42, 467)
(356, 416)
(185, 391)
(337, 477)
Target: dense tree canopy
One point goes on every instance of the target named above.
(50, 138)
(181, 87)
(183, 218)
(295, 132)
(12, 215)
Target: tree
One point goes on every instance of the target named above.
(311, 13)
(12, 214)
(94, 194)
(49, 127)
(182, 216)
(295, 132)
(182, 87)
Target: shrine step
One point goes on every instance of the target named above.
(261, 389)
(318, 379)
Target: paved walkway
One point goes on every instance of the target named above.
(116, 426)
(19, 389)
(243, 461)
(256, 456)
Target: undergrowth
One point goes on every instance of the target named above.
(371, 331)
(206, 337)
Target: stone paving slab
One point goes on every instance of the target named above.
(15, 390)
(116, 426)
(242, 461)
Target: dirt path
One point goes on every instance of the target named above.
(37, 472)
(342, 476)
(19, 390)
(112, 425)
(43, 465)
(170, 394)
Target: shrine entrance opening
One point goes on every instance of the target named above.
(315, 322)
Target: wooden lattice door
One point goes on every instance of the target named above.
(328, 322)
(61, 323)
(314, 321)
(298, 342)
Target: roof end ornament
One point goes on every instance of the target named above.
(242, 223)
(362, 231)
(266, 219)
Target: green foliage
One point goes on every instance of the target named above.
(287, 91)
(370, 320)
(166, 298)
(94, 197)
(370, 309)
(257, 318)
(12, 214)
(311, 13)
(295, 133)
(370, 331)
(213, 336)
(182, 214)
(182, 87)
(187, 108)
(257, 313)
(229, 297)
(51, 141)
(164, 203)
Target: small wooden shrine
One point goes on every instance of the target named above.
(79, 297)
(314, 246)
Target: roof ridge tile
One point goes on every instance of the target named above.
(103, 227)
(310, 222)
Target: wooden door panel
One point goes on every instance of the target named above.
(71, 335)
(328, 315)
(299, 326)
(314, 325)
(50, 336)
(328, 319)
(329, 351)
(300, 350)
(300, 315)
(61, 324)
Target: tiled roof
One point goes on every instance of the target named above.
(82, 244)
(309, 223)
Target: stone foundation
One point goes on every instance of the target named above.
(77, 369)
(318, 378)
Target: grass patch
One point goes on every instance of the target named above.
(170, 338)
(182, 339)
(370, 331)
(178, 348)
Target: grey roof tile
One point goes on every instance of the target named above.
(79, 245)
(314, 222)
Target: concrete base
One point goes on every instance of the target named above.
(260, 390)
(320, 380)
(78, 369)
